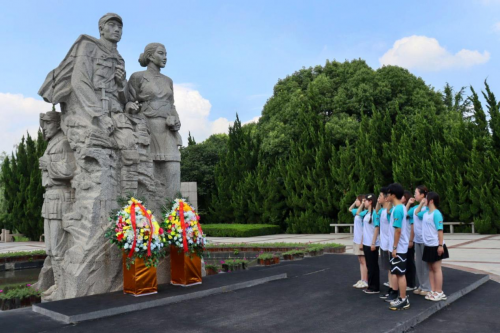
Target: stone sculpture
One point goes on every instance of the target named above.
(110, 142)
(58, 167)
(154, 96)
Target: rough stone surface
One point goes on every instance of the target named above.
(116, 147)
(189, 190)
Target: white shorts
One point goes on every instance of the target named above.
(356, 250)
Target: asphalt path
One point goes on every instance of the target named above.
(316, 297)
(478, 312)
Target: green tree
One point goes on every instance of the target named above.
(198, 165)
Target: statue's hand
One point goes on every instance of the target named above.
(132, 107)
(120, 76)
(173, 123)
(177, 126)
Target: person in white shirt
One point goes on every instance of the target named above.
(411, 272)
(398, 243)
(434, 248)
(371, 243)
(385, 255)
(357, 246)
(424, 286)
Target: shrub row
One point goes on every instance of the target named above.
(240, 230)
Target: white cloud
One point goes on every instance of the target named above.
(18, 115)
(194, 111)
(425, 53)
(253, 120)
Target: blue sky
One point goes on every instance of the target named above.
(226, 56)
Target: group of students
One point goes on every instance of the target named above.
(408, 231)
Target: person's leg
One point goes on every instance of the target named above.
(376, 273)
(394, 282)
(402, 285)
(360, 268)
(431, 277)
(369, 264)
(410, 268)
(422, 268)
(438, 276)
(363, 268)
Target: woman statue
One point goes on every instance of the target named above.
(154, 99)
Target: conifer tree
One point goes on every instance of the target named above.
(191, 141)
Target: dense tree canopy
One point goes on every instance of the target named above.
(334, 131)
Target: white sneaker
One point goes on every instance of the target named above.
(417, 291)
(396, 301)
(357, 284)
(410, 288)
(386, 284)
(364, 284)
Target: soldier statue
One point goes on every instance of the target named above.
(91, 86)
(58, 167)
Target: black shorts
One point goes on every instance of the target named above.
(398, 264)
(431, 254)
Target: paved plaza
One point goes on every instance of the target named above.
(470, 252)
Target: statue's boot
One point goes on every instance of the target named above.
(50, 293)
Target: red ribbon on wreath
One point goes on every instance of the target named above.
(183, 226)
(134, 227)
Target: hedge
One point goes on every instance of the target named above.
(240, 230)
(22, 253)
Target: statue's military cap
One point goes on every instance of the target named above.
(109, 16)
(50, 116)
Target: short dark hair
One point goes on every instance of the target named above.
(384, 190)
(396, 189)
(434, 197)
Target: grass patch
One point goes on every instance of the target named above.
(22, 253)
(240, 230)
(21, 239)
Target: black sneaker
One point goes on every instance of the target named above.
(400, 304)
(393, 295)
(384, 296)
(371, 291)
